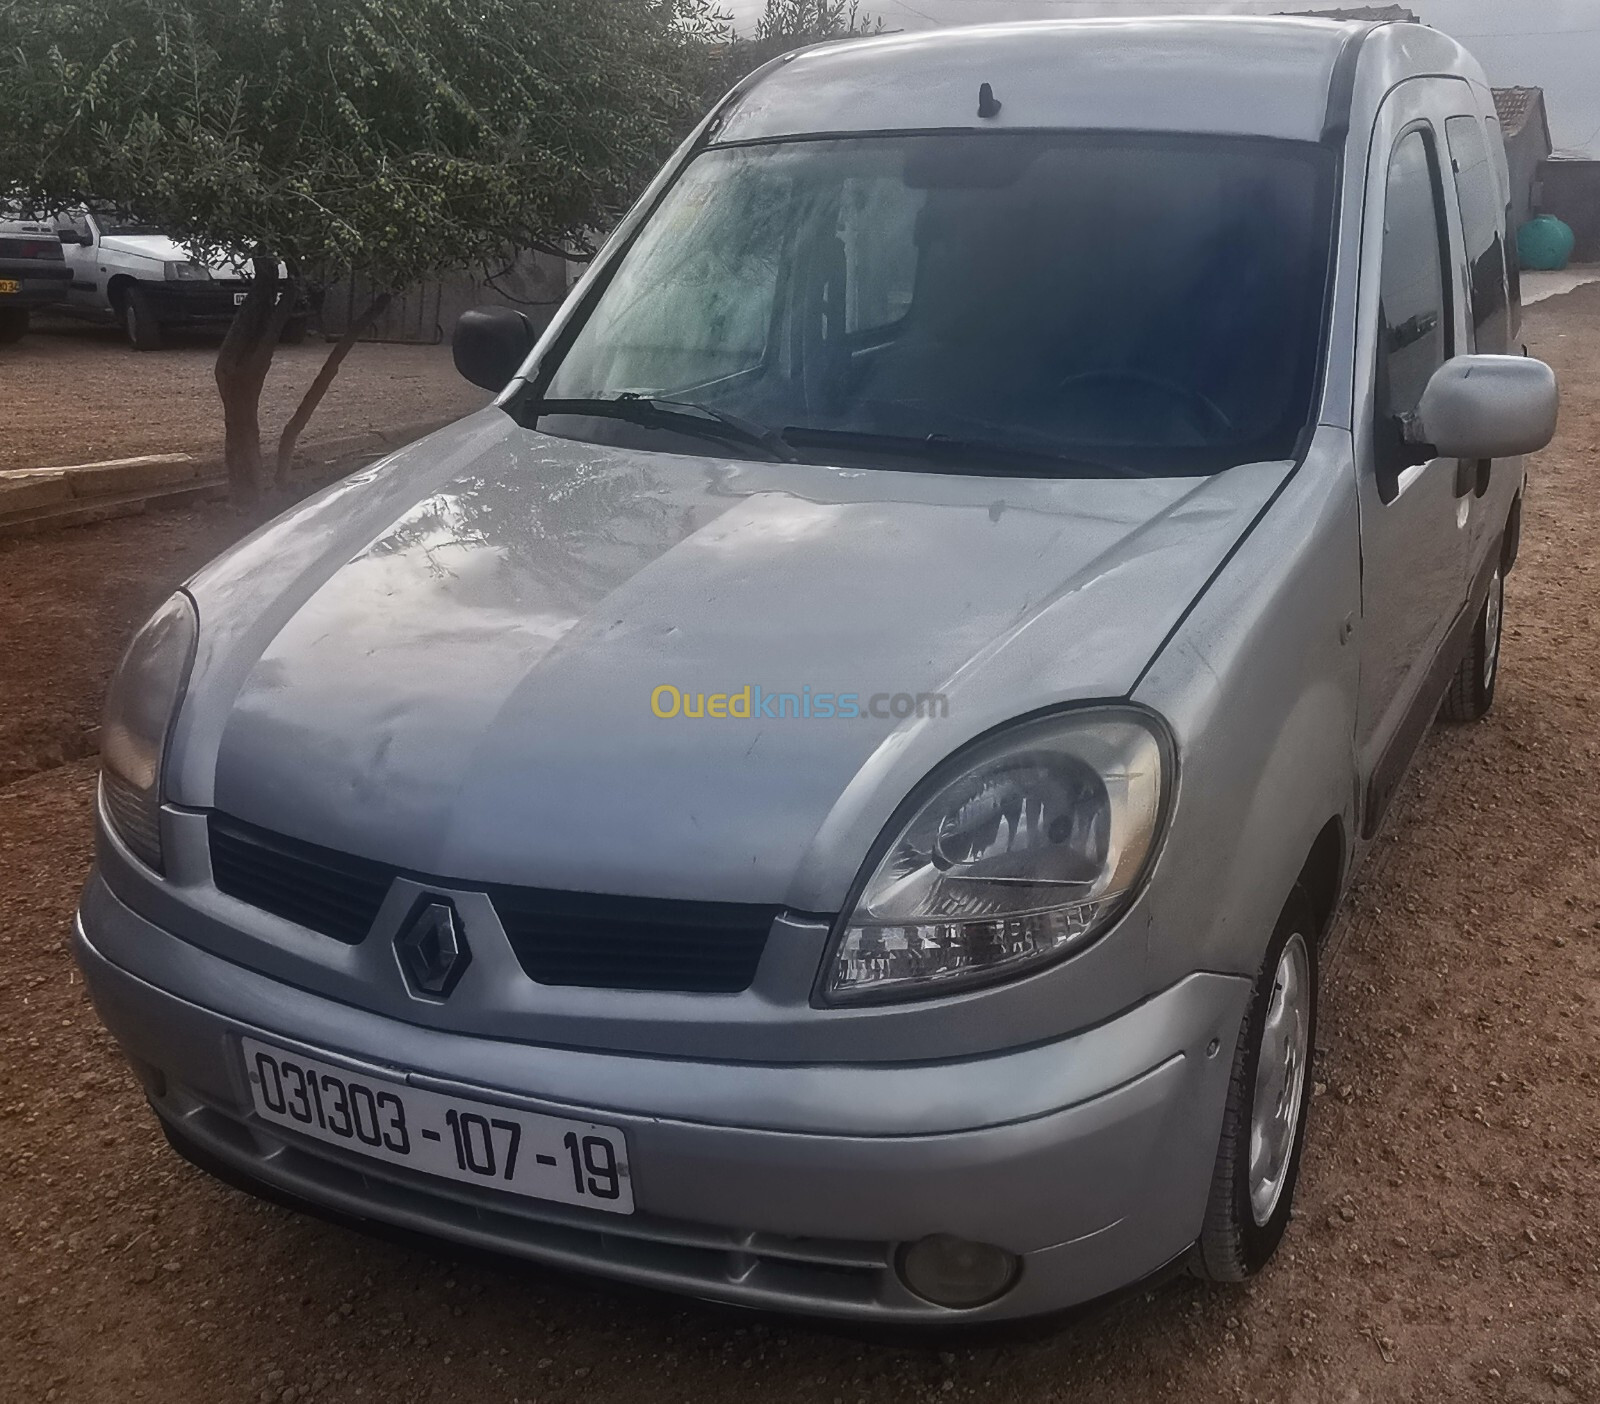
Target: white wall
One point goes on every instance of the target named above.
(1549, 44)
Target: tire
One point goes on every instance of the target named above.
(139, 322)
(13, 324)
(294, 331)
(1471, 691)
(1248, 1213)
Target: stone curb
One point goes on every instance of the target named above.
(42, 499)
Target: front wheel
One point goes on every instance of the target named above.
(1472, 689)
(1264, 1122)
(139, 322)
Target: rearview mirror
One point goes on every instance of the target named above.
(1486, 407)
(490, 344)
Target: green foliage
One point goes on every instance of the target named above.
(786, 25)
(790, 23)
(395, 138)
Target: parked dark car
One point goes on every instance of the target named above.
(33, 272)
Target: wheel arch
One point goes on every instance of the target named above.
(1323, 872)
(1511, 539)
(117, 289)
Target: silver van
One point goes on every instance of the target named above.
(827, 795)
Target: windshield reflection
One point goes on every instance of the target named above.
(1103, 304)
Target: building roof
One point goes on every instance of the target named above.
(1516, 107)
(1397, 13)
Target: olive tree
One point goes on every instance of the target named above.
(316, 139)
(784, 25)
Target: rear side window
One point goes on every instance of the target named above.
(1497, 145)
(1483, 224)
(1414, 310)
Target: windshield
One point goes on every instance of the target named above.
(123, 222)
(1138, 303)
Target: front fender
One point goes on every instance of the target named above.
(1259, 683)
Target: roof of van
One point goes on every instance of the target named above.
(1223, 74)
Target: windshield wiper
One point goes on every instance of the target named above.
(679, 416)
(949, 455)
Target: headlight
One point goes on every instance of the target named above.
(1021, 854)
(139, 710)
(187, 272)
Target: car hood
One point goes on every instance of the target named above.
(447, 662)
(160, 247)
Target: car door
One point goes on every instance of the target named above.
(1414, 546)
(83, 294)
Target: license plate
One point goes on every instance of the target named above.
(10, 285)
(456, 1138)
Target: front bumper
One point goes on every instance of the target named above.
(178, 302)
(772, 1210)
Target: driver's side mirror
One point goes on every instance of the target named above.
(1486, 407)
(71, 236)
(490, 344)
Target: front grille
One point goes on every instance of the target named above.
(330, 892)
(633, 943)
(559, 938)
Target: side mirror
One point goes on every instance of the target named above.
(1487, 407)
(71, 236)
(490, 344)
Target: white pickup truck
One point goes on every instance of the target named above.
(131, 273)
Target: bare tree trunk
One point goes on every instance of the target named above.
(319, 387)
(241, 371)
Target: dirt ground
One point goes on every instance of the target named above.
(1446, 1245)
(76, 393)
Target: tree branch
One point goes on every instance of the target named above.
(319, 387)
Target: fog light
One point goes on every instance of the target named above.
(951, 1272)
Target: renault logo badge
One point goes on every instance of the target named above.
(433, 952)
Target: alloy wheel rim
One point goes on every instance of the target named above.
(1491, 629)
(1280, 1078)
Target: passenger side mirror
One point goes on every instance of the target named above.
(1486, 407)
(490, 344)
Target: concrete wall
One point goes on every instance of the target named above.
(1525, 153)
(532, 283)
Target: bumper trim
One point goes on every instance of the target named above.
(764, 1269)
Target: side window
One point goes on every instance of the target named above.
(1414, 318)
(1483, 224)
(1497, 145)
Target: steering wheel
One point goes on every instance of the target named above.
(1174, 388)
